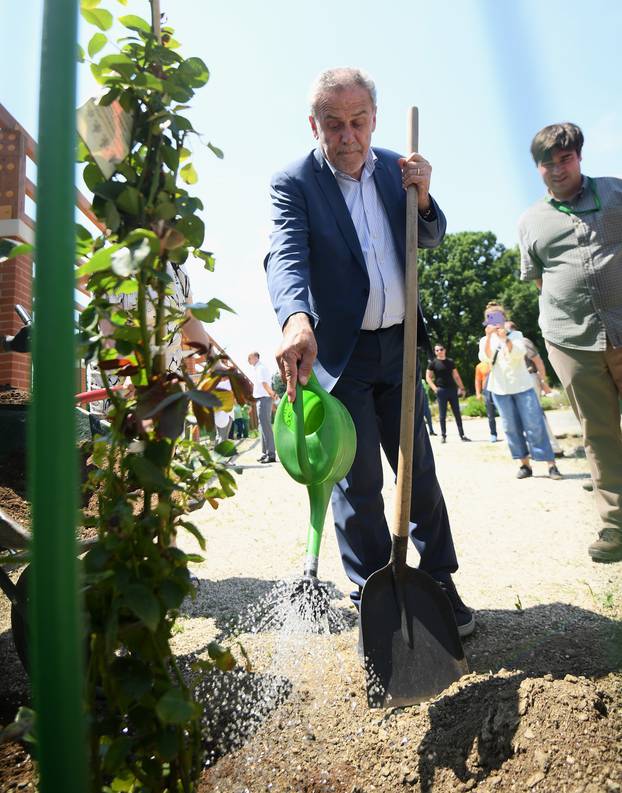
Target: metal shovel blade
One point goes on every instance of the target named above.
(410, 638)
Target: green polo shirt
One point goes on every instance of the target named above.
(578, 256)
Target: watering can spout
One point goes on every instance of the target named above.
(316, 443)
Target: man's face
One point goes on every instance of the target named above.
(561, 173)
(440, 352)
(252, 359)
(345, 122)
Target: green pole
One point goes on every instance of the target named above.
(55, 615)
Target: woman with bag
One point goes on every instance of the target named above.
(512, 391)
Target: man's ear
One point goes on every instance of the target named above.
(314, 129)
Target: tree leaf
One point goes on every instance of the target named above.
(141, 600)
(98, 262)
(116, 753)
(148, 475)
(175, 708)
(218, 152)
(9, 249)
(208, 312)
(226, 448)
(189, 174)
(98, 17)
(130, 201)
(97, 43)
(190, 527)
(194, 72)
(204, 398)
(172, 594)
(208, 260)
(193, 230)
(134, 22)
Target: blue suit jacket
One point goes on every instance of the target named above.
(316, 265)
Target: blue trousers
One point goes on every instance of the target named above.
(371, 389)
(523, 424)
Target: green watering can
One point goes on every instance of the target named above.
(316, 442)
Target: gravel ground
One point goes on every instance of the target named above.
(541, 708)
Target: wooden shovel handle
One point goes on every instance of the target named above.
(401, 515)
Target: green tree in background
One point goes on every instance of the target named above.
(456, 281)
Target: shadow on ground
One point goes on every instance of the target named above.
(254, 605)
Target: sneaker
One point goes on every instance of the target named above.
(463, 614)
(493, 438)
(443, 439)
(524, 472)
(464, 438)
(268, 459)
(262, 458)
(608, 546)
(555, 473)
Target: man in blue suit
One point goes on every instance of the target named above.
(336, 278)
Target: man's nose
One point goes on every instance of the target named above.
(347, 135)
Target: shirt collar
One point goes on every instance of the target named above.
(552, 200)
(368, 167)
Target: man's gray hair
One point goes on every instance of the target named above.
(566, 136)
(337, 80)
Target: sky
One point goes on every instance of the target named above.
(486, 75)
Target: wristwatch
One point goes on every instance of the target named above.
(429, 214)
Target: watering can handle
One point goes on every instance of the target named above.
(299, 430)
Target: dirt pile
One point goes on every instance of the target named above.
(503, 732)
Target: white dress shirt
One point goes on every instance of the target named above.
(386, 302)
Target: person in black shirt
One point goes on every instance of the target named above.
(444, 379)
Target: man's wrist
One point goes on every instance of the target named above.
(300, 318)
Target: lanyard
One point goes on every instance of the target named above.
(562, 207)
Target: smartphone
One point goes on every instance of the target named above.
(495, 318)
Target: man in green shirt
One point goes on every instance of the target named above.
(571, 246)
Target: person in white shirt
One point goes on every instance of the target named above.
(263, 393)
(510, 384)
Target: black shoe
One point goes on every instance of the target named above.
(443, 439)
(465, 619)
(464, 438)
(524, 472)
(262, 458)
(555, 473)
(431, 432)
(269, 460)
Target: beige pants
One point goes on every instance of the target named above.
(593, 382)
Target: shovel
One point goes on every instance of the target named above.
(410, 638)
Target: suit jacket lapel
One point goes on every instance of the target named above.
(330, 189)
(386, 189)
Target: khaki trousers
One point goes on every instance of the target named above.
(593, 382)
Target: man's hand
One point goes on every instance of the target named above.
(297, 352)
(417, 170)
